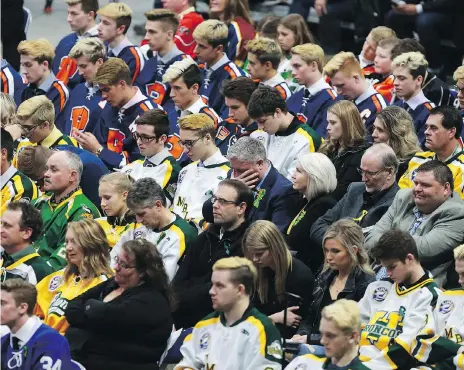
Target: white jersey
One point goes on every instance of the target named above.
(196, 184)
(171, 241)
(284, 148)
(392, 316)
(252, 343)
(311, 362)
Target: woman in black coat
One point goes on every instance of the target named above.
(315, 179)
(125, 322)
(345, 144)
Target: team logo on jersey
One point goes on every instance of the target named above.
(139, 234)
(275, 350)
(204, 341)
(446, 307)
(380, 294)
(55, 283)
(222, 133)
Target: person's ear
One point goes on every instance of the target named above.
(268, 65)
(23, 307)
(124, 195)
(355, 249)
(195, 87)
(120, 29)
(219, 49)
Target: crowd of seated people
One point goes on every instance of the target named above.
(225, 199)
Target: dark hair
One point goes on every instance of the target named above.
(395, 244)
(167, 17)
(22, 292)
(240, 88)
(144, 193)
(124, 21)
(441, 171)
(156, 118)
(297, 24)
(192, 75)
(267, 26)
(233, 9)
(264, 101)
(149, 262)
(244, 193)
(406, 46)
(8, 144)
(30, 218)
(89, 6)
(451, 118)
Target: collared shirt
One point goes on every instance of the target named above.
(318, 86)
(158, 158)
(169, 55)
(91, 32)
(369, 92)
(420, 218)
(9, 173)
(194, 108)
(265, 175)
(118, 48)
(417, 100)
(224, 59)
(277, 79)
(137, 98)
(216, 158)
(52, 138)
(9, 259)
(25, 333)
(47, 83)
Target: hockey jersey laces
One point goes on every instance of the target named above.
(17, 356)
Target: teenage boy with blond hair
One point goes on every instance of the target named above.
(36, 60)
(409, 70)
(81, 19)
(347, 78)
(264, 56)
(310, 103)
(85, 104)
(369, 49)
(111, 139)
(161, 26)
(198, 180)
(211, 39)
(115, 20)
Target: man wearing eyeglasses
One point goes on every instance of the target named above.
(151, 134)
(365, 202)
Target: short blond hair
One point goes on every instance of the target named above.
(266, 50)
(213, 31)
(41, 50)
(112, 71)
(344, 314)
(199, 122)
(310, 53)
(38, 109)
(120, 12)
(345, 62)
(459, 74)
(177, 69)
(91, 47)
(459, 253)
(414, 61)
(243, 271)
(379, 33)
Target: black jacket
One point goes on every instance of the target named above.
(346, 163)
(129, 332)
(355, 288)
(193, 279)
(298, 233)
(299, 282)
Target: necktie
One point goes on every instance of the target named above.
(307, 94)
(111, 54)
(15, 341)
(406, 107)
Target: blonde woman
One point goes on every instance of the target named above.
(395, 127)
(88, 264)
(315, 178)
(113, 190)
(284, 282)
(346, 274)
(345, 143)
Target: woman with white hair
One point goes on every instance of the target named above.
(315, 178)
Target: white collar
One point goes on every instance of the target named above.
(118, 48)
(318, 86)
(158, 158)
(417, 100)
(224, 59)
(274, 81)
(137, 98)
(195, 107)
(27, 330)
(216, 158)
(91, 32)
(186, 11)
(369, 92)
(9, 173)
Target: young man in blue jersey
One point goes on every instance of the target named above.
(30, 344)
(115, 20)
(161, 27)
(112, 139)
(12, 82)
(410, 70)
(81, 19)
(36, 60)
(264, 56)
(310, 104)
(347, 78)
(211, 39)
(85, 104)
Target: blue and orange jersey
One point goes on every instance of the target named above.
(64, 67)
(59, 95)
(368, 104)
(213, 78)
(131, 54)
(114, 131)
(12, 82)
(240, 32)
(280, 84)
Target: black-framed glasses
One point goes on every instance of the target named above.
(369, 173)
(122, 264)
(222, 201)
(143, 138)
(189, 143)
(28, 129)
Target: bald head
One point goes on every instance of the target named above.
(63, 172)
(379, 166)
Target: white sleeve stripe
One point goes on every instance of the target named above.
(235, 69)
(142, 58)
(10, 79)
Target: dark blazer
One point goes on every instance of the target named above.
(279, 203)
(129, 332)
(298, 233)
(350, 206)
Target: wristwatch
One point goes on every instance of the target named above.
(98, 151)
